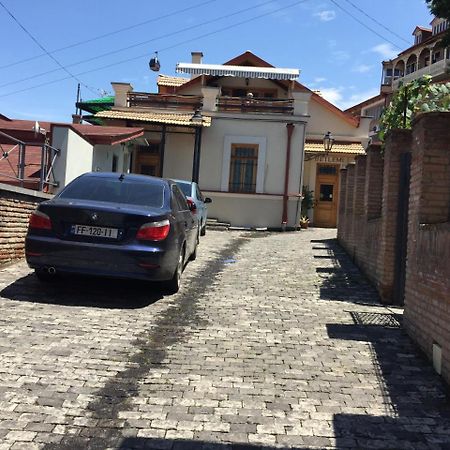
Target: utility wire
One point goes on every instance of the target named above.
(228, 27)
(111, 33)
(44, 49)
(138, 44)
(377, 22)
(364, 24)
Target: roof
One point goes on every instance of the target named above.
(354, 148)
(166, 80)
(23, 130)
(251, 60)
(422, 29)
(154, 117)
(227, 70)
(355, 108)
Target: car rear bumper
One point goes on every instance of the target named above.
(133, 261)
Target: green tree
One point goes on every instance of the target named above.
(441, 8)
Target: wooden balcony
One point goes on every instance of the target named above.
(164, 101)
(255, 105)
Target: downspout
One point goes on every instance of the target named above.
(284, 219)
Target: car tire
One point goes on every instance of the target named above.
(174, 284)
(43, 276)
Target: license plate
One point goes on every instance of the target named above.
(88, 230)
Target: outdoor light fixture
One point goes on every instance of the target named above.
(197, 117)
(328, 141)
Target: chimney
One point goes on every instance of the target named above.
(76, 118)
(196, 58)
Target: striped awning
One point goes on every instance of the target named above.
(270, 73)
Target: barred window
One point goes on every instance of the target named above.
(243, 167)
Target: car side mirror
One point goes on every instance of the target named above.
(208, 200)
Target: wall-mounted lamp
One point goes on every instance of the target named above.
(328, 141)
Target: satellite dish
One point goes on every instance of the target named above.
(154, 63)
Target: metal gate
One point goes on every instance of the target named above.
(402, 230)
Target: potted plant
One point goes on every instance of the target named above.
(304, 222)
(307, 204)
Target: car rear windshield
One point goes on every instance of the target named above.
(131, 192)
(185, 188)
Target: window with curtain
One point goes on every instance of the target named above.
(243, 167)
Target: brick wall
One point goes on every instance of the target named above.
(427, 286)
(16, 205)
(371, 237)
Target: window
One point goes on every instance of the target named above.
(243, 167)
(179, 198)
(326, 193)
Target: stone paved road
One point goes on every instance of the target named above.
(274, 341)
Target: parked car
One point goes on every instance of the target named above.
(115, 225)
(192, 192)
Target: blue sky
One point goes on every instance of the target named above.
(334, 51)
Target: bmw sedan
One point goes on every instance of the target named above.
(114, 225)
(192, 192)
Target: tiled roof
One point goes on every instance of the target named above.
(153, 117)
(354, 148)
(165, 80)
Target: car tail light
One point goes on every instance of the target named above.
(40, 221)
(154, 231)
(192, 205)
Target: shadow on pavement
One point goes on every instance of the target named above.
(417, 407)
(85, 291)
(341, 279)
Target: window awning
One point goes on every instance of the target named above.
(219, 70)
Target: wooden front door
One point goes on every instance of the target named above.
(148, 160)
(326, 195)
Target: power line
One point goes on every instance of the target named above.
(377, 22)
(43, 48)
(364, 24)
(129, 47)
(228, 27)
(111, 33)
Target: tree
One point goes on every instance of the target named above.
(441, 8)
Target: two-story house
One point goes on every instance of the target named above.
(247, 131)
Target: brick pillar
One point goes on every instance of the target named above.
(374, 182)
(341, 210)
(350, 192)
(397, 142)
(358, 208)
(427, 300)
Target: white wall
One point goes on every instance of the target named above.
(178, 156)
(103, 158)
(75, 158)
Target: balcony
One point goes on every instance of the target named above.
(255, 105)
(438, 68)
(164, 101)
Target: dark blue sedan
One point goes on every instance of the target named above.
(115, 225)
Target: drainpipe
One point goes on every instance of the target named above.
(284, 219)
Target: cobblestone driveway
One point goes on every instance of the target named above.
(275, 340)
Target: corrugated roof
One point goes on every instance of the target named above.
(354, 148)
(153, 117)
(165, 80)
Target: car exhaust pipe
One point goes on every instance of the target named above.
(51, 271)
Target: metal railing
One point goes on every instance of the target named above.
(256, 105)
(48, 158)
(164, 101)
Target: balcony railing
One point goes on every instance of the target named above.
(438, 68)
(255, 105)
(164, 101)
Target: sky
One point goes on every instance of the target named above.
(49, 46)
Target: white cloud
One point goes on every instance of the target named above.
(319, 80)
(343, 99)
(341, 55)
(362, 68)
(326, 15)
(333, 95)
(386, 51)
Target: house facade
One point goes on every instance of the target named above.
(248, 132)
